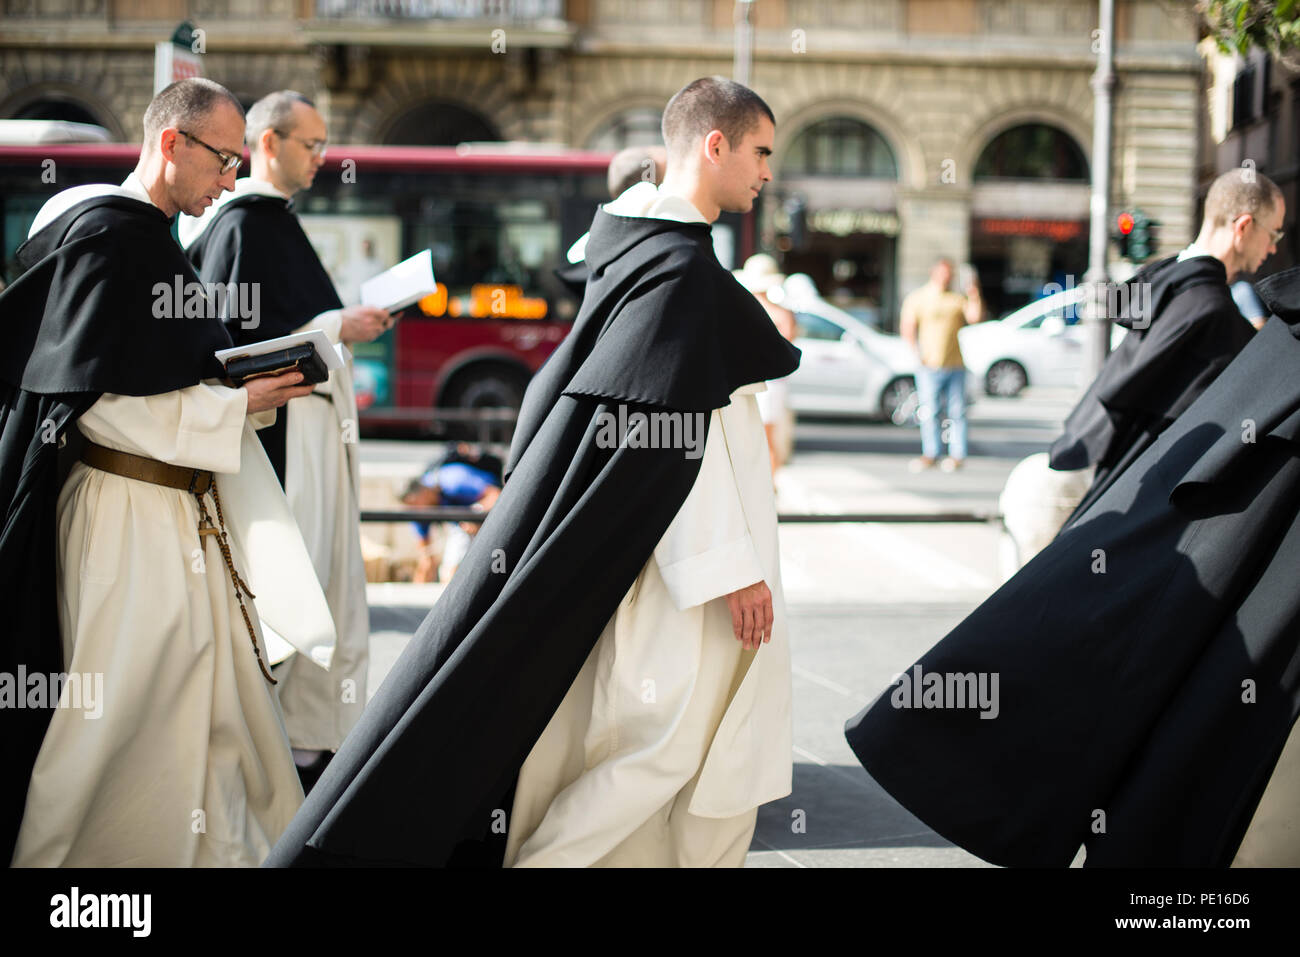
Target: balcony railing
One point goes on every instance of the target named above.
(516, 11)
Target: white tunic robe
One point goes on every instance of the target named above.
(671, 723)
(323, 484)
(183, 760)
(672, 734)
(1273, 837)
(188, 763)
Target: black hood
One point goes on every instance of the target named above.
(613, 237)
(55, 232)
(662, 323)
(85, 316)
(1168, 278)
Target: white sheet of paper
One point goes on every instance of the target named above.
(330, 355)
(406, 283)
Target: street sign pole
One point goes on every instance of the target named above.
(744, 43)
(1097, 322)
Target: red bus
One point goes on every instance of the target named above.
(498, 218)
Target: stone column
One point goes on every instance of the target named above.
(933, 222)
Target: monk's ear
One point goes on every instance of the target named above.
(714, 146)
(1240, 225)
(168, 141)
(268, 142)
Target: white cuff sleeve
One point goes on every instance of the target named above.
(707, 551)
(197, 427)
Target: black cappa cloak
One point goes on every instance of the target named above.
(574, 277)
(1192, 331)
(663, 327)
(1148, 666)
(79, 322)
(257, 239)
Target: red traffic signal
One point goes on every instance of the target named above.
(1125, 223)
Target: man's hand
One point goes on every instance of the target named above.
(364, 323)
(907, 326)
(974, 309)
(273, 392)
(751, 614)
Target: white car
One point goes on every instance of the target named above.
(1040, 344)
(848, 368)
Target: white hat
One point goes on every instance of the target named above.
(760, 274)
(800, 287)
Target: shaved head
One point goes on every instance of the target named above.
(185, 105)
(712, 103)
(1240, 191)
(275, 111)
(636, 164)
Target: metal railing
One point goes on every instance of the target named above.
(492, 425)
(486, 419)
(508, 10)
(464, 514)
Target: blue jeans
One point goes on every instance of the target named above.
(938, 389)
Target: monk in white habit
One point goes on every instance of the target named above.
(678, 726)
(613, 648)
(167, 527)
(252, 235)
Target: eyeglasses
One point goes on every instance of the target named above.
(1274, 235)
(229, 161)
(315, 147)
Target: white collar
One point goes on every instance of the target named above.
(642, 200)
(61, 202)
(132, 187)
(645, 200)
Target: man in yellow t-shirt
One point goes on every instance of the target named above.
(931, 318)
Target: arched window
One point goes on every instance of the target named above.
(640, 126)
(1033, 151)
(840, 146)
(56, 108)
(439, 124)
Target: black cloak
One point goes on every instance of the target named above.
(94, 312)
(574, 277)
(1170, 354)
(1148, 662)
(258, 239)
(663, 327)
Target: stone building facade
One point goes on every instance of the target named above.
(1254, 124)
(906, 129)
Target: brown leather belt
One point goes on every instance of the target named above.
(195, 481)
(198, 482)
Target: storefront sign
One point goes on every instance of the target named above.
(1057, 230)
(844, 222)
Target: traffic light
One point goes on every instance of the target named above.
(1142, 241)
(1135, 235)
(1124, 229)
